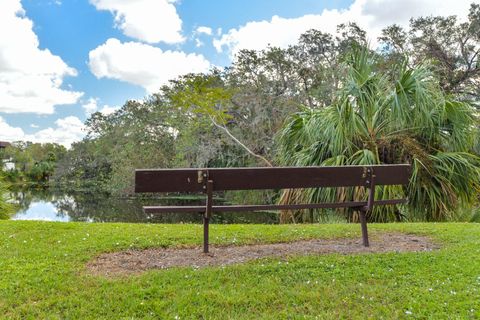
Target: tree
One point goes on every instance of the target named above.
(207, 96)
(33, 161)
(140, 134)
(85, 167)
(395, 116)
(453, 47)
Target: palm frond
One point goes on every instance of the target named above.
(389, 117)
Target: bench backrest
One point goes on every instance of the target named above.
(195, 180)
(209, 180)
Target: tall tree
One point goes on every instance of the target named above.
(453, 46)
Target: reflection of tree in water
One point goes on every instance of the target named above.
(104, 208)
(100, 208)
(24, 197)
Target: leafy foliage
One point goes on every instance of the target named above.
(5, 207)
(452, 46)
(137, 135)
(411, 101)
(395, 116)
(34, 162)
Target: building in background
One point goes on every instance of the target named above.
(4, 144)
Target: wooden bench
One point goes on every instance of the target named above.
(209, 180)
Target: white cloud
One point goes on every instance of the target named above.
(30, 78)
(146, 20)
(387, 12)
(199, 43)
(204, 30)
(371, 15)
(90, 106)
(107, 110)
(142, 64)
(66, 131)
(34, 126)
(9, 133)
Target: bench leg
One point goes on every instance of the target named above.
(363, 222)
(205, 233)
(370, 202)
(207, 215)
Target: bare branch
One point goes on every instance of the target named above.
(240, 143)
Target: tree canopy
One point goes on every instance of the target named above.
(326, 100)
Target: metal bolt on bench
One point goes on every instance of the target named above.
(209, 180)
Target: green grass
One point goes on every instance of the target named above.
(43, 276)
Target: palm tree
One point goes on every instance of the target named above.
(398, 115)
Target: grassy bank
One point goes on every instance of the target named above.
(43, 276)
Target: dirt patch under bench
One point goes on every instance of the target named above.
(136, 261)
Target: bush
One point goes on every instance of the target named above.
(6, 209)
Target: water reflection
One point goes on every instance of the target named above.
(41, 210)
(55, 205)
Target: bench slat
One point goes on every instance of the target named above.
(187, 180)
(240, 208)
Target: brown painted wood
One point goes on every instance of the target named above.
(363, 224)
(223, 179)
(207, 215)
(187, 180)
(240, 208)
(167, 180)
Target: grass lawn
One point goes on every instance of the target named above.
(43, 275)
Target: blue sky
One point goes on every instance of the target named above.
(60, 60)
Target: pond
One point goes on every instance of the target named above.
(56, 205)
